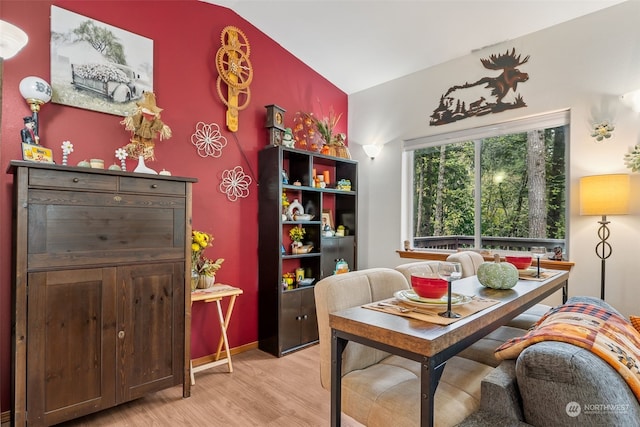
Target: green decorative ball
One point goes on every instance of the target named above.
(497, 275)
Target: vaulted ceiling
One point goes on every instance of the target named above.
(358, 44)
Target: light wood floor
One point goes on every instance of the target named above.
(263, 390)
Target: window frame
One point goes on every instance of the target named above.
(542, 121)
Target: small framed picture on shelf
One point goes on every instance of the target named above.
(36, 153)
(327, 220)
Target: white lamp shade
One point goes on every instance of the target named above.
(12, 39)
(605, 194)
(35, 88)
(372, 150)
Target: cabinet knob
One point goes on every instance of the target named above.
(76, 180)
(121, 334)
(154, 185)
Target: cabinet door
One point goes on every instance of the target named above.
(334, 248)
(150, 325)
(299, 324)
(289, 320)
(308, 318)
(71, 344)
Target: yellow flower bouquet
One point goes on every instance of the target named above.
(200, 263)
(297, 234)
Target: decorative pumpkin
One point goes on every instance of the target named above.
(84, 164)
(497, 275)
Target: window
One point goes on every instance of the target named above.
(501, 187)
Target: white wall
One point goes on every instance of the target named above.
(583, 65)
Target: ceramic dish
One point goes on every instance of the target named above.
(411, 298)
(303, 217)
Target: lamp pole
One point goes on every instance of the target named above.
(603, 250)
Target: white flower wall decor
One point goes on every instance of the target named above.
(208, 140)
(235, 183)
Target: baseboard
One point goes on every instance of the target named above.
(236, 350)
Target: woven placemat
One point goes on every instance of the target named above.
(431, 314)
(544, 275)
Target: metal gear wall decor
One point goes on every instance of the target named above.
(208, 140)
(235, 71)
(235, 183)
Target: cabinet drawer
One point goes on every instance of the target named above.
(152, 186)
(72, 180)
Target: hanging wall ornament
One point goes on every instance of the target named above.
(235, 183)
(235, 72)
(208, 140)
(602, 131)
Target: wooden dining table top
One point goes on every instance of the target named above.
(429, 339)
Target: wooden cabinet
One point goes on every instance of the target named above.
(335, 248)
(287, 316)
(100, 291)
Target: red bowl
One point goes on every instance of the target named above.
(428, 285)
(520, 262)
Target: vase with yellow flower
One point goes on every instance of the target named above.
(296, 234)
(203, 269)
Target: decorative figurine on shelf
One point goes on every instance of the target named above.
(28, 133)
(287, 138)
(145, 125)
(121, 154)
(67, 148)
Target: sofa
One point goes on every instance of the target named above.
(380, 389)
(560, 384)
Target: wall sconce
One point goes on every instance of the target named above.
(12, 39)
(372, 150)
(36, 92)
(604, 195)
(632, 100)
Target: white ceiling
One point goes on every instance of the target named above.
(358, 44)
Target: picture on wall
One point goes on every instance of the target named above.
(96, 66)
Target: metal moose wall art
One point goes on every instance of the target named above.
(487, 95)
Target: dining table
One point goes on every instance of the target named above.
(430, 343)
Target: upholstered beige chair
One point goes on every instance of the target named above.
(469, 260)
(379, 389)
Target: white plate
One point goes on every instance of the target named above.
(411, 298)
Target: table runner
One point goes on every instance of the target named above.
(430, 314)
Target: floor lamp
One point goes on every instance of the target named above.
(604, 195)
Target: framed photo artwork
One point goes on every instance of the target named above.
(327, 220)
(97, 66)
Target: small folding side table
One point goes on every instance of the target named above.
(216, 293)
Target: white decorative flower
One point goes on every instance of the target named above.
(67, 147)
(208, 140)
(235, 183)
(121, 154)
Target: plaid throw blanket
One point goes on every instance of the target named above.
(588, 326)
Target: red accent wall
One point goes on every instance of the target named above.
(186, 35)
